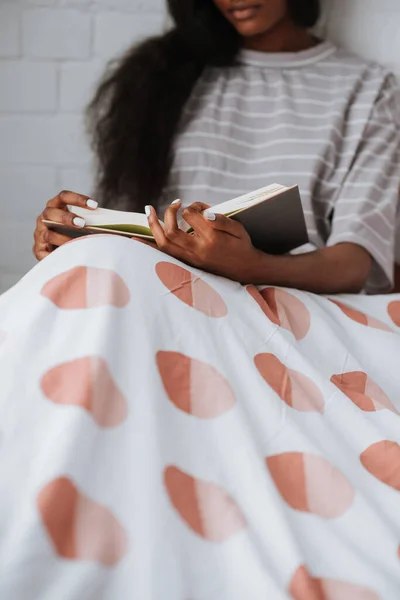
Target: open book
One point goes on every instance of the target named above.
(273, 216)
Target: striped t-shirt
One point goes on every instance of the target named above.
(321, 118)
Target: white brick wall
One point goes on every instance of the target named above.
(10, 39)
(107, 44)
(51, 55)
(52, 52)
(52, 34)
(20, 88)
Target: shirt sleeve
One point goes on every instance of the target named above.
(365, 211)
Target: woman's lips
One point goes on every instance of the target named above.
(244, 13)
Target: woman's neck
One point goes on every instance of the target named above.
(284, 37)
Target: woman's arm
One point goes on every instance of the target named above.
(343, 268)
(363, 210)
(222, 246)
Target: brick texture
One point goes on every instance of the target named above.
(56, 33)
(20, 92)
(10, 38)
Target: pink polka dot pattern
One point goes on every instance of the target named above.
(283, 309)
(194, 386)
(382, 460)
(294, 388)
(87, 383)
(205, 507)
(79, 528)
(363, 391)
(191, 290)
(309, 483)
(361, 318)
(394, 312)
(305, 587)
(87, 287)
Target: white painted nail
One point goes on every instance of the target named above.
(210, 215)
(78, 222)
(175, 202)
(147, 210)
(92, 204)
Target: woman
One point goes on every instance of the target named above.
(311, 115)
(176, 434)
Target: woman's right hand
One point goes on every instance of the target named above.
(56, 210)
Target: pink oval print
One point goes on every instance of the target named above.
(382, 460)
(87, 287)
(194, 386)
(305, 587)
(78, 527)
(363, 391)
(283, 309)
(309, 483)
(87, 382)
(394, 312)
(205, 507)
(295, 389)
(359, 317)
(191, 290)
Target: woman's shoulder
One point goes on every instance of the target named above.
(371, 83)
(348, 63)
(328, 66)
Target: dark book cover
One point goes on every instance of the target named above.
(276, 225)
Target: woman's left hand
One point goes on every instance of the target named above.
(218, 244)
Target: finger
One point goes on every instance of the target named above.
(196, 220)
(57, 239)
(40, 251)
(171, 228)
(64, 198)
(222, 223)
(217, 221)
(199, 206)
(155, 226)
(40, 226)
(40, 236)
(42, 254)
(39, 233)
(64, 217)
(161, 240)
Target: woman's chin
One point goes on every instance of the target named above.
(249, 29)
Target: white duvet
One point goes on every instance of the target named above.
(166, 434)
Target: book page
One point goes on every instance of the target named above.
(231, 206)
(102, 217)
(138, 222)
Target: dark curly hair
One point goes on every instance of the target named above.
(135, 114)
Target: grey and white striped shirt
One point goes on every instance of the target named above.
(321, 118)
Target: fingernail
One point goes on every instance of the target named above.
(210, 215)
(175, 202)
(147, 210)
(92, 204)
(78, 222)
